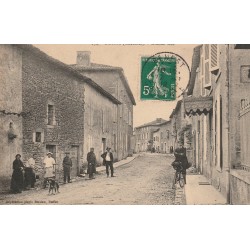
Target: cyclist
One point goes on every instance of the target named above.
(180, 157)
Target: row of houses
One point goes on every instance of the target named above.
(212, 119)
(46, 105)
(216, 104)
(154, 136)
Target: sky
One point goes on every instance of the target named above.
(127, 57)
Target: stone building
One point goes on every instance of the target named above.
(100, 126)
(53, 96)
(156, 140)
(166, 145)
(113, 80)
(46, 105)
(144, 135)
(11, 109)
(220, 85)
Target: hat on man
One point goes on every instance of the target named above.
(49, 153)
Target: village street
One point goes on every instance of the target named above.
(147, 180)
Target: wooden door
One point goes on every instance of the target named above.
(74, 155)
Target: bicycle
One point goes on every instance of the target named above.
(178, 176)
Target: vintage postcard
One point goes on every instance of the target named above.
(124, 124)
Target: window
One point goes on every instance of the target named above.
(206, 65)
(214, 57)
(38, 137)
(51, 114)
(167, 134)
(245, 73)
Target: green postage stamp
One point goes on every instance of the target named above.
(158, 78)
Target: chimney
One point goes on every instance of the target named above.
(83, 58)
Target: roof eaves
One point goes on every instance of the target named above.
(195, 65)
(43, 55)
(100, 67)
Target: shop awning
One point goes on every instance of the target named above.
(198, 105)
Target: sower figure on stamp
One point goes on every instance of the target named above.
(91, 159)
(67, 165)
(49, 168)
(29, 174)
(180, 156)
(155, 75)
(108, 161)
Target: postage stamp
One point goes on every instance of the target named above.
(158, 78)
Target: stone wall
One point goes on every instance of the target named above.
(240, 187)
(10, 102)
(45, 83)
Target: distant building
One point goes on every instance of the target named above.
(166, 145)
(112, 80)
(156, 140)
(144, 135)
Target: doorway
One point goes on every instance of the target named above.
(103, 144)
(74, 155)
(52, 149)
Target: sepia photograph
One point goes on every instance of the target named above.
(124, 124)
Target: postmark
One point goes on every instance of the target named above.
(163, 76)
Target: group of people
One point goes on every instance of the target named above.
(24, 176)
(108, 159)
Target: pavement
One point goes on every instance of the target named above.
(119, 163)
(199, 191)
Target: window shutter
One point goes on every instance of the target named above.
(214, 56)
(207, 73)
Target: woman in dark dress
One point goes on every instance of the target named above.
(17, 176)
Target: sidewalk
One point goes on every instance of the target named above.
(199, 191)
(119, 163)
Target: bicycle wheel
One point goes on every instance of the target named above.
(175, 179)
(181, 180)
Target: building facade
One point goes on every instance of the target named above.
(11, 110)
(112, 80)
(53, 97)
(144, 140)
(156, 140)
(220, 83)
(100, 126)
(166, 145)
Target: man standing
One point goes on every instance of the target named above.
(91, 158)
(108, 160)
(29, 175)
(67, 165)
(49, 168)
